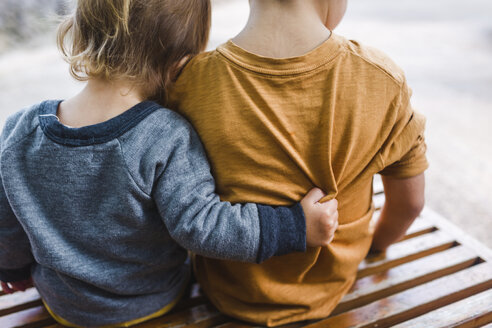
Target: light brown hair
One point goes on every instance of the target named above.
(141, 41)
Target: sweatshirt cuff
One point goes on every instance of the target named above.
(15, 274)
(282, 231)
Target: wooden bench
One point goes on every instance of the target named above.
(437, 276)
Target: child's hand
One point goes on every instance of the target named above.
(18, 286)
(321, 218)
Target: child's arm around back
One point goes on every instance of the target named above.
(196, 218)
(160, 171)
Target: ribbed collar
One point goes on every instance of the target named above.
(92, 134)
(314, 59)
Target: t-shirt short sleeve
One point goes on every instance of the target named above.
(403, 154)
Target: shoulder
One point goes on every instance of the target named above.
(160, 133)
(204, 63)
(202, 59)
(163, 123)
(21, 124)
(163, 141)
(373, 58)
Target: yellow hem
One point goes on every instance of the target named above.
(162, 311)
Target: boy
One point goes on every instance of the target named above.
(288, 105)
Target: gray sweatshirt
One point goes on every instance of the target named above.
(101, 216)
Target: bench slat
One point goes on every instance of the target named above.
(189, 303)
(19, 301)
(210, 322)
(474, 311)
(377, 184)
(406, 276)
(30, 318)
(378, 200)
(416, 301)
(462, 237)
(187, 317)
(406, 251)
(418, 228)
(487, 326)
(236, 324)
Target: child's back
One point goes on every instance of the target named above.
(86, 204)
(331, 118)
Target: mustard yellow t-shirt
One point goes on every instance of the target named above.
(273, 129)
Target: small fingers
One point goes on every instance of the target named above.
(333, 204)
(315, 195)
(335, 222)
(332, 227)
(334, 217)
(330, 206)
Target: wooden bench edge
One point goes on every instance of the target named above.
(458, 233)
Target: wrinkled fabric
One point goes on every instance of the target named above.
(274, 128)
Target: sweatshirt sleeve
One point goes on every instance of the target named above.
(15, 250)
(196, 218)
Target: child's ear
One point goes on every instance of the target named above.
(336, 11)
(176, 69)
(182, 63)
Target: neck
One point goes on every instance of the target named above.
(98, 102)
(281, 29)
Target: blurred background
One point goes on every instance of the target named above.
(444, 46)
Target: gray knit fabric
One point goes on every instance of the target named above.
(102, 215)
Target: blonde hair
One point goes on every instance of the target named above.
(141, 41)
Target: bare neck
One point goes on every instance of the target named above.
(281, 30)
(98, 102)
